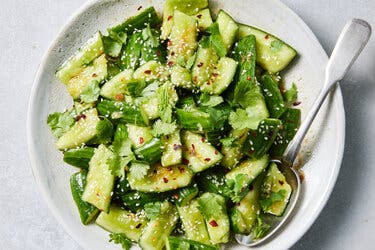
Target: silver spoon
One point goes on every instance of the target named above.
(352, 40)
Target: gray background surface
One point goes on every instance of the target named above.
(28, 27)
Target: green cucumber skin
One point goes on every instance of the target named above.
(291, 120)
(151, 151)
(79, 157)
(77, 184)
(128, 113)
(245, 55)
(213, 181)
(181, 243)
(132, 53)
(272, 95)
(135, 200)
(184, 195)
(138, 22)
(258, 142)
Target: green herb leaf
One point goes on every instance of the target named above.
(163, 128)
(150, 37)
(291, 95)
(276, 45)
(111, 46)
(210, 101)
(104, 131)
(228, 141)
(60, 122)
(167, 98)
(216, 40)
(135, 88)
(260, 228)
(152, 210)
(120, 238)
(91, 93)
(209, 206)
(240, 183)
(139, 170)
(267, 201)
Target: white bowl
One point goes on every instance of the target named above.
(322, 150)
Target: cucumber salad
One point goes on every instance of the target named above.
(174, 123)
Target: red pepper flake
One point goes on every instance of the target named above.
(238, 204)
(170, 64)
(254, 133)
(192, 149)
(266, 36)
(181, 169)
(186, 162)
(213, 223)
(248, 78)
(251, 187)
(176, 147)
(301, 175)
(207, 159)
(139, 7)
(94, 75)
(215, 74)
(119, 97)
(176, 196)
(139, 225)
(141, 140)
(203, 139)
(147, 72)
(281, 182)
(169, 18)
(208, 82)
(251, 151)
(195, 79)
(155, 171)
(296, 103)
(216, 152)
(158, 53)
(200, 64)
(169, 42)
(81, 116)
(165, 180)
(172, 53)
(169, 168)
(199, 16)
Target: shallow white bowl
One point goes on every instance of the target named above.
(322, 150)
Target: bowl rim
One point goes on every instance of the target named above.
(340, 118)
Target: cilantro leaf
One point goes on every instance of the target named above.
(209, 205)
(153, 209)
(240, 182)
(104, 130)
(163, 128)
(260, 228)
(210, 101)
(267, 200)
(111, 46)
(60, 122)
(120, 238)
(135, 88)
(150, 37)
(290, 95)
(276, 45)
(91, 93)
(247, 118)
(139, 170)
(167, 98)
(228, 141)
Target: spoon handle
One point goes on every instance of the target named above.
(349, 45)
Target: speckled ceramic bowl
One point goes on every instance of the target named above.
(322, 150)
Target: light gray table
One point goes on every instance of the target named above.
(28, 26)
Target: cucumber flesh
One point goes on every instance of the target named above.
(189, 7)
(73, 66)
(77, 184)
(96, 72)
(275, 192)
(203, 67)
(204, 19)
(223, 76)
(160, 179)
(198, 152)
(149, 108)
(100, 181)
(272, 53)
(118, 220)
(232, 154)
(183, 38)
(117, 87)
(81, 132)
(139, 136)
(243, 175)
(172, 154)
(154, 235)
(228, 28)
(193, 222)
